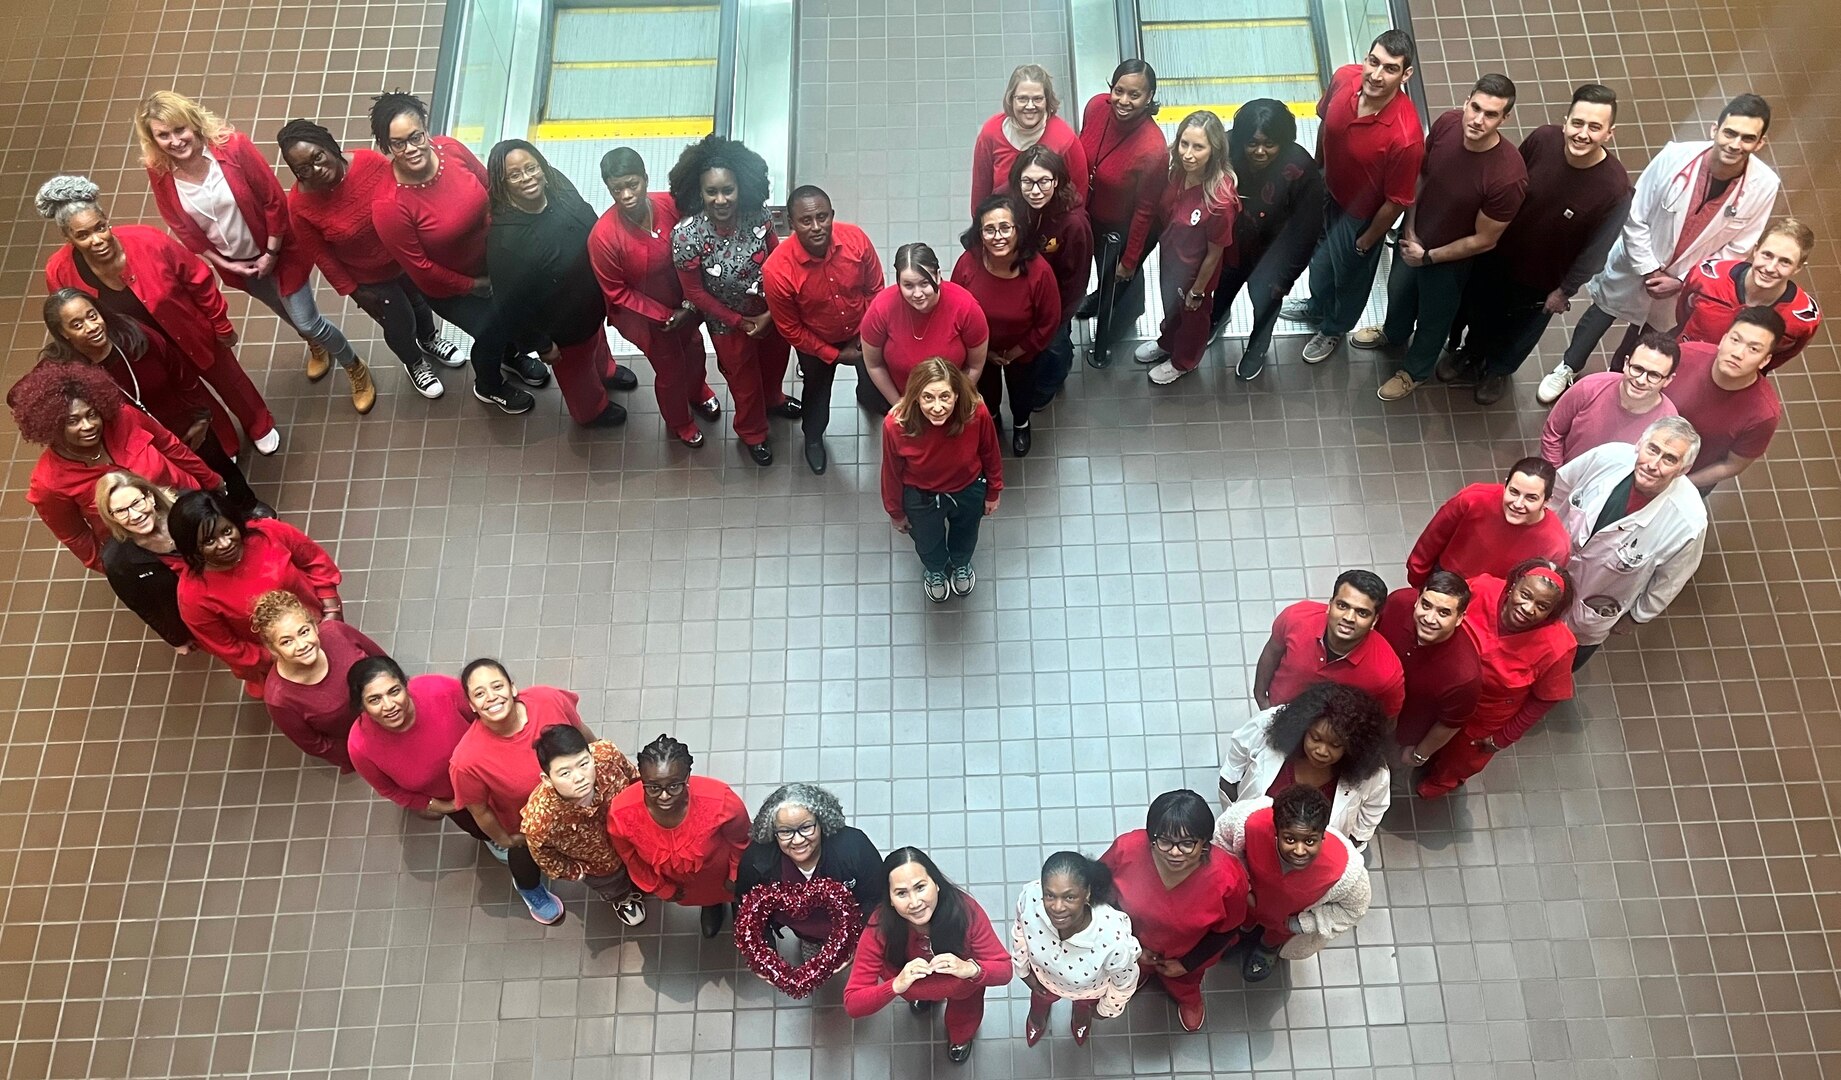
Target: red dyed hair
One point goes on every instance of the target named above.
(41, 398)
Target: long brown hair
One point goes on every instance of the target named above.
(929, 371)
(1219, 190)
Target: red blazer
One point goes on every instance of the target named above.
(259, 196)
(64, 491)
(174, 284)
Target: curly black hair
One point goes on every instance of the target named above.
(1356, 718)
(716, 152)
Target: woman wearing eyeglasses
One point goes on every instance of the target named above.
(680, 836)
(1031, 118)
(1021, 301)
(798, 835)
(1186, 898)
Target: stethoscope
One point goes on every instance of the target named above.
(1676, 194)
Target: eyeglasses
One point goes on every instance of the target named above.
(1036, 185)
(526, 173)
(1038, 99)
(1170, 846)
(140, 505)
(803, 832)
(676, 787)
(414, 138)
(1002, 228)
(1638, 373)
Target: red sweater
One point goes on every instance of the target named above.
(437, 230)
(1469, 536)
(259, 199)
(1022, 311)
(872, 978)
(336, 230)
(216, 604)
(318, 717)
(174, 285)
(1129, 167)
(954, 327)
(992, 156)
(819, 302)
(937, 462)
(64, 491)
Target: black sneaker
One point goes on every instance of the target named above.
(511, 400)
(612, 416)
(623, 379)
(442, 352)
(1249, 366)
(528, 368)
(422, 375)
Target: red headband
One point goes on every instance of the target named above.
(1547, 575)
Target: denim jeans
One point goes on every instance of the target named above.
(298, 310)
(944, 525)
(1053, 365)
(1422, 303)
(1340, 276)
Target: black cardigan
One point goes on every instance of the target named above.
(541, 278)
(847, 856)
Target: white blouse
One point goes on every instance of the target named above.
(1099, 962)
(213, 206)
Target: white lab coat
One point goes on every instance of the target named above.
(1252, 763)
(1657, 212)
(1640, 561)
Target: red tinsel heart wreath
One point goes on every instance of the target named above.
(797, 899)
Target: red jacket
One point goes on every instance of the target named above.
(216, 604)
(260, 200)
(174, 284)
(64, 491)
(1129, 169)
(936, 462)
(1711, 297)
(335, 228)
(992, 156)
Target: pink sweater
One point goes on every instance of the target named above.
(1591, 414)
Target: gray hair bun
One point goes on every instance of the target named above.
(61, 191)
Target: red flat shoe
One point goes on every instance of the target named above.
(1192, 1016)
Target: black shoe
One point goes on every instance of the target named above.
(1491, 389)
(511, 400)
(1249, 366)
(957, 1053)
(261, 510)
(711, 917)
(815, 455)
(1458, 368)
(623, 379)
(1019, 440)
(1258, 964)
(759, 452)
(920, 1006)
(709, 410)
(612, 416)
(1089, 307)
(791, 409)
(528, 368)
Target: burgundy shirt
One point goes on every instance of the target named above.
(1566, 212)
(1461, 183)
(1729, 421)
(1442, 680)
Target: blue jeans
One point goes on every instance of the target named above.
(1422, 303)
(298, 310)
(1340, 276)
(1053, 365)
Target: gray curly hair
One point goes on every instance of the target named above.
(63, 197)
(821, 804)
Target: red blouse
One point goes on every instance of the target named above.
(216, 604)
(437, 230)
(1172, 922)
(872, 978)
(174, 285)
(1278, 892)
(1024, 310)
(317, 717)
(336, 230)
(692, 864)
(259, 199)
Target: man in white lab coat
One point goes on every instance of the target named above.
(1637, 526)
(1695, 201)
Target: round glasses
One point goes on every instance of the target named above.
(1002, 228)
(803, 832)
(1170, 846)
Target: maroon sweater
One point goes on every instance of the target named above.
(1129, 167)
(1023, 311)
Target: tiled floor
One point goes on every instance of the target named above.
(1644, 889)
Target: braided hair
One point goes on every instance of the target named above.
(306, 131)
(664, 752)
(389, 105)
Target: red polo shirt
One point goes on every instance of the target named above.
(1368, 160)
(1442, 680)
(1370, 666)
(820, 301)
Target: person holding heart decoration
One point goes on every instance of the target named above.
(680, 836)
(799, 837)
(927, 941)
(1071, 941)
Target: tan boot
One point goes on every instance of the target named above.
(319, 362)
(364, 391)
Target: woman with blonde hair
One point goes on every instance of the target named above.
(941, 473)
(1199, 206)
(1031, 117)
(306, 691)
(219, 196)
(139, 558)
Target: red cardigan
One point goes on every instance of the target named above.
(335, 228)
(872, 978)
(1130, 168)
(992, 156)
(216, 604)
(260, 200)
(64, 491)
(174, 285)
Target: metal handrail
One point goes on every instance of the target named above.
(1131, 30)
(1320, 38)
(728, 19)
(447, 60)
(1416, 92)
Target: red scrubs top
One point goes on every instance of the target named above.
(1280, 892)
(1535, 663)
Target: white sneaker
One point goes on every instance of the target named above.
(631, 911)
(1554, 383)
(1320, 346)
(1166, 373)
(1148, 353)
(269, 443)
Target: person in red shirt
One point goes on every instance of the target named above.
(1058, 221)
(494, 768)
(1724, 393)
(680, 836)
(330, 205)
(1487, 528)
(1031, 117)
(219, 196)
(305, 691)
(405, 735)
(1371, 149)
(1016, 289)
(1312, 642)
(1127, 164)
(1613, 406)
(1186, 897)
(1309, 885)
(1526, 652)
(433, 221)
(818, 291)
(1200, 205)
(928, 941)
(228, 564)
(76, 412)
(1716, 291)
(1443, 675)
(630, 250)
(941, 474)
(140, 273)
(920, 317)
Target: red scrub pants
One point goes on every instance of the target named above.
(755, 369)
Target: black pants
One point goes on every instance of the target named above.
(1585, 653)
(464, 820)
(147, 586)
(479, 317)
(818, 377)
(403, 312)
(1265, 290)
(1501, 320)
(1127, 297)
(1020, 377)
(944, 525)
(1590, 330)
(241, 497)
(868, 396)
